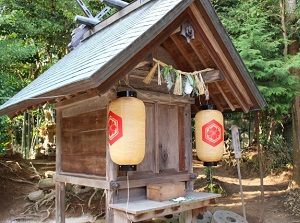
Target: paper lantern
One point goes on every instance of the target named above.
(209, 135)
(126, 130)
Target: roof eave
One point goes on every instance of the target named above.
(49, 97)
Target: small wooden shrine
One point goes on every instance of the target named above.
(126, 52)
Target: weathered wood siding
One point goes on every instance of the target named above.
(165, 138)
(83, 137)
(83, 134)
(84, 143)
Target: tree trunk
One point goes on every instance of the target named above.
(296, 142)
(293, 49)
(24, 130)
(271, 129)
(28, 140)
(284, 30)
(255, 130)
(257, 119)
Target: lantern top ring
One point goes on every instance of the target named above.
(121, 94)
(208, 107)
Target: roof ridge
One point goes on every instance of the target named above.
(115, 17)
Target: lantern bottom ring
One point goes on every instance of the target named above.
(210, 164)
(127, 167)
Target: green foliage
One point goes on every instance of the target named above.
(34, 34)
(276, 156)
(276, 150)
(256, 32)
(277, 153)
(5, 137)
(212, 187)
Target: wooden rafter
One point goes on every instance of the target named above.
(216, 101)
(183, 52)
(175, 53)
(225, 96)
(199, 55)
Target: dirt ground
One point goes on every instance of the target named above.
(275, 190)
(19, 177)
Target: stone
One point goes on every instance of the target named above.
(46, 183)
(36, 195)
(49, 174)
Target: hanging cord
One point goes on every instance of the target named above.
(127, 203)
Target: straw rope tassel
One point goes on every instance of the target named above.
(158, 74)
(150, 75)
(206, 93)
(200, 84)
(178, 85)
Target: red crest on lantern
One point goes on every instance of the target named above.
(212, 133)
(115, 131)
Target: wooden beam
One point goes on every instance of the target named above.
(82, 179)
(76, 100)
(208, 77)
(225, 97)
(212, 76)
(156, 179)
(161, 98)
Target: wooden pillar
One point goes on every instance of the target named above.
(191, 216)
(60, 202)
(157, 149)
(188, 144)
(111, 194)
(59, 186)
(120, 218)
(189, 157)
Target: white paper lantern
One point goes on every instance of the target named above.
(126, 130)
(209, 135)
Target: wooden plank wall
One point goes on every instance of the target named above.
(168, 136)
(149, 160)
(168, 144)
(84, 139)
(165, 138)
(84, 143)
